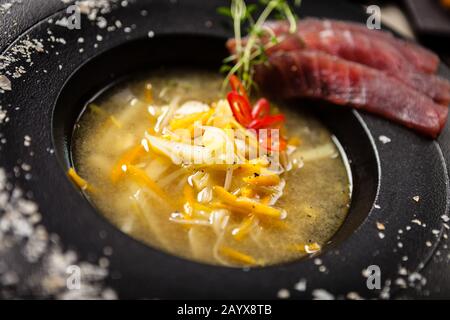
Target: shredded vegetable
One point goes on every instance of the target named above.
(142, 178)
(246, 205)
(79, 181)
(128, 158)
(244, 229)
(238, 256)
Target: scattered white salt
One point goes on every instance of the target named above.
(102, 23)
(402, 271)
(2, 115)
(321, 294)
(301, 285)
(400, 282)
(5, 83)
(380, 226)
(354, 296)
(283, 294)
(107, 251)
(384, 139)
(26, 140)
(20, 232)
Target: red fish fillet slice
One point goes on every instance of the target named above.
(358, 47)
(380, 55)
(314, 74)
(422, 58)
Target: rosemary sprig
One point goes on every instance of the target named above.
(253, 51)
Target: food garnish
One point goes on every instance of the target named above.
(343, 63)
(253, 51)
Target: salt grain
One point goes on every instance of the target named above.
(321, 294)
(283, 294)
(354, 296)
(301, 285)
(24, 241)
(5, 83)
(384, 139)
(380, 226)
(26, 140)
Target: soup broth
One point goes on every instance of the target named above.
(228, 215)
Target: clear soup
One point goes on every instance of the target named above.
(132, 166)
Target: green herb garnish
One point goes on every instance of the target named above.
(253, 51)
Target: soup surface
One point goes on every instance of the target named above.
(132, 164)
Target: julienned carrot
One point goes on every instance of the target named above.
(128, 158)
(245, 205)
(79, 181)
(238, 256)
(142, 178)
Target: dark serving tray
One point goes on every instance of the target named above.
(72, 65)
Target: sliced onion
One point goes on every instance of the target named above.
(205, 195)
(191, 107)
(180, 153)
(318, 153)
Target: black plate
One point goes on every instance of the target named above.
(386, 176)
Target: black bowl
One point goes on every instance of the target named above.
(357, 147)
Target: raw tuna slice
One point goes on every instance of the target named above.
(418, 56)
(380, 55)
(422, 58)
(315, 74)
(359, 47)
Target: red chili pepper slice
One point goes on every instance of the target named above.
(240, 107)
(261, 108)
(266, 121)
(237, 86)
